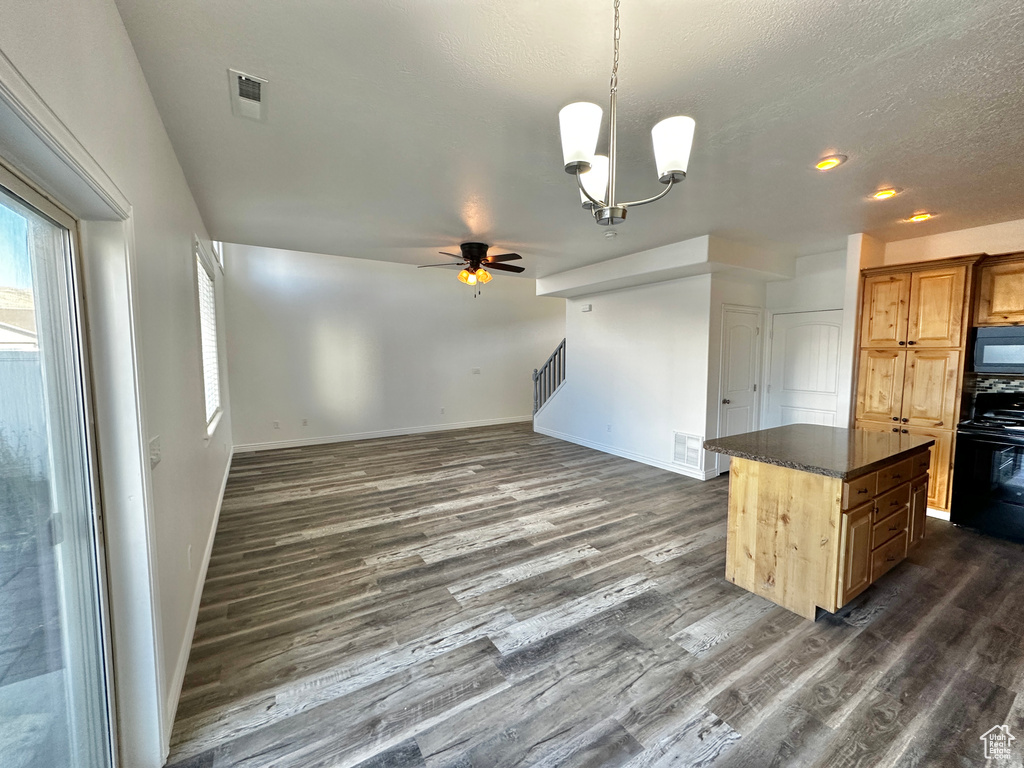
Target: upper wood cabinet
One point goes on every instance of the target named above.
(937, 302)
(1001, 294)
(931, 388)
(884, 317)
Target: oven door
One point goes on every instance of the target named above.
(988, 484)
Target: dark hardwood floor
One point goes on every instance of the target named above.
(493, 597)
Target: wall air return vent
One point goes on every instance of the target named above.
(248, 95)
(688, 451)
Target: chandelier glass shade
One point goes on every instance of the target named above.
(580, 127)
(474, 276)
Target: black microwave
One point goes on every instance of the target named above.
(999, 349)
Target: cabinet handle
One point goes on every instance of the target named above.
(911, 343)
(862, 490)
(938, 424)
(894, 503)
(894, 527)
(895, 418)
(890, 559)
(904, 420)
(902, 343)
(895, 429)
(905, 431)
(897, 477)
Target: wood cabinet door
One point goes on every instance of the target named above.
(940, 471)
(855, 548)
(931, 388)
(1001, 294)
(880, 385)
(884, 315)
(918, 509)
(936, 316)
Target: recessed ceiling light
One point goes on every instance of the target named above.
(830, 162)
(921, 216)
(885, 194)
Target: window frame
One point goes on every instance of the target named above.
(203, 261)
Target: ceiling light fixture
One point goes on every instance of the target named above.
(580, 124)
(829, 162)
(921, 216)
(885, 194)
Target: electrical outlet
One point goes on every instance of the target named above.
(442, 411)
(586, 308)
(155, 452)
(277, 425)
(305, 422)
(189, 554)
(476, 371)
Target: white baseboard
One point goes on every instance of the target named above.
(174, 694)
(301, 442)
(706, 474)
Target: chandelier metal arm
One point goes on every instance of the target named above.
(665, 191)
(583, 189)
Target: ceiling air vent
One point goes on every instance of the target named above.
(248, 95)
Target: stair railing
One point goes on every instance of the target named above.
(548, 377)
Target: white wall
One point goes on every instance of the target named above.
(1005, 237)
(77, 57)
(361, 348)
(639, 363)
(818, 284)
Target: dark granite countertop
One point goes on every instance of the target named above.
(820, 450)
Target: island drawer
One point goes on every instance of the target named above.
(890, 527)
(890, 502)
(922, 462)
(890, 477)
(887, 555)
(859, 490)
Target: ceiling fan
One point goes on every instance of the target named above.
(473, 260)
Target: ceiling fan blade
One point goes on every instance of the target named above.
(423, 266)
(445, 253)
(503, 257)
(506, 267)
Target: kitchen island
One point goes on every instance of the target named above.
(816, 513)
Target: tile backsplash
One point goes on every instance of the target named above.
(992, 382)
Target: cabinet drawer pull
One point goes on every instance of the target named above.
(862, 490)
(895, 429)
(890, 559)
(895, 418)
(897, 477)
(902, 343)
(905, 431)
(894, 527)
(894, 503)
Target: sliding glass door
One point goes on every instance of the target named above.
(54, 708)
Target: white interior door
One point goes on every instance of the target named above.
(741, 354)
(803, 376)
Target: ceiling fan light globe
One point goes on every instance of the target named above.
(673, 140)
(595, 181)
(483, 276)
(464, 276)
(580, 124)
(472, 279)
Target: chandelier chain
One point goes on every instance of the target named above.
(615, 59)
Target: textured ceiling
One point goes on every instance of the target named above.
(398, 127)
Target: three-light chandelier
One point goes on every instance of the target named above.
(580, 125)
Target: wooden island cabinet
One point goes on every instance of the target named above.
(817, 513)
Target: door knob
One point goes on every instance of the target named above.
(726, 402)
